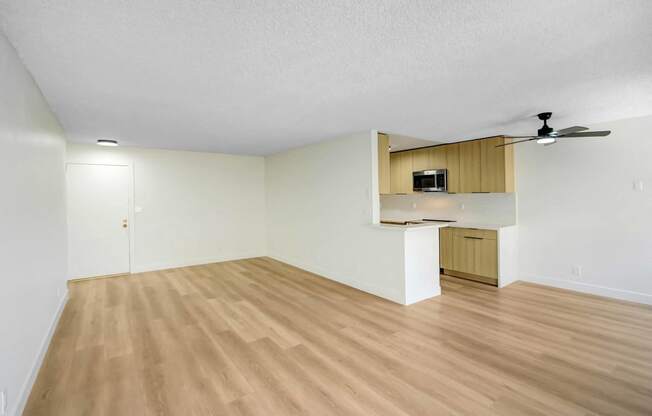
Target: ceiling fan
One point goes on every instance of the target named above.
(546, 135)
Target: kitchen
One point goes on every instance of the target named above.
(466, 190)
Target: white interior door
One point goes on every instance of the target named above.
(98, 212)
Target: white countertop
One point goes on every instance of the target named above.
(481, 226)
(414, 226)
(458, 224)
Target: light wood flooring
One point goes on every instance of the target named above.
(258, 337)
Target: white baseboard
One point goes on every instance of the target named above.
(38, 361)
(196, 261)
(423, 296)
(609, 292)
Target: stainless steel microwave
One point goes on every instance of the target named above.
(434, 180)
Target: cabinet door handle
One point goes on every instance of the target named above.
(473, 238)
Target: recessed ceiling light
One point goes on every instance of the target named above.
(107, 142)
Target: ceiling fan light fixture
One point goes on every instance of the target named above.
(546, 140)
(546, 135)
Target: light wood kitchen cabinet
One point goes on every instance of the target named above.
(497, 165)
(473, 166)
(383, 164)
(394, 173)
(474, 254)
(437, 157)
(401, 172)
(486, 258)
(420, 159)
(406, 172)
(453, 166)
(446, 248)
(463, 254)
(470, 169)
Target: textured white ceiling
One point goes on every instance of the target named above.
(256, 77)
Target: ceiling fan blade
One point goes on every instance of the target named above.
(589, 134)
(518, 141)
(568, 130)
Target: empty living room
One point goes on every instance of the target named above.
(396, 208)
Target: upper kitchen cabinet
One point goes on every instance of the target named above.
(437, 157)
(420, 159)
(401, 169)
(394, 173)
(429, 158)
(483, 167)
(470, 169)
(497, 165)
(383, 164)
(473, 166)
(453, 165)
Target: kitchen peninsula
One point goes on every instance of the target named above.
(418, 246)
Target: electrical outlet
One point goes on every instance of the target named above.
(3, 402)
(576, 271)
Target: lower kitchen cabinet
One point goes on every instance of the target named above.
(485, 259)
(446, 248)
(469, 253)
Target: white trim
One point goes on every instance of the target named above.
(45, 344)
(609, 292)
(434, 292)
(197, 261)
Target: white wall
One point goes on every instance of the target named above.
(320, 211)
(196, 207)
(475, 208)
(577, 206)
(33, 224)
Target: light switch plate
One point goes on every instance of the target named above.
(638, 185)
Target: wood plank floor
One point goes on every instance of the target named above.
(258, 337)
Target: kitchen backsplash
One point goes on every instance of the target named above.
(480, 208)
